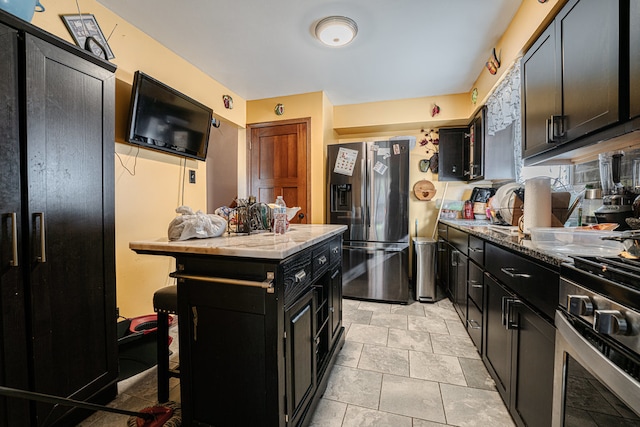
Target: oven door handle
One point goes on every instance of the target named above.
(568, 340)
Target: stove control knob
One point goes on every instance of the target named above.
(580, 305)
(610, 322)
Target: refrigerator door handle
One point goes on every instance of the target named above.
(366, 179)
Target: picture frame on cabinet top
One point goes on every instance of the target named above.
(83, 27)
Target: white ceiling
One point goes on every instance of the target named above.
(265, 48)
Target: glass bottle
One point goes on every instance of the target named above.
(280, 216)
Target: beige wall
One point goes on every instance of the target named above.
(148, 183)
(316, 106)
(150, 187)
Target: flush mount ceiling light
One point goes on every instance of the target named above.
(336, 31)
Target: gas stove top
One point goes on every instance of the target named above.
(614, 277)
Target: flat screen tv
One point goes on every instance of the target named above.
(161, 118)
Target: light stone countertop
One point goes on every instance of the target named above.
(258, 245)
(518, 242)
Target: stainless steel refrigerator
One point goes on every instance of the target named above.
(368, 191)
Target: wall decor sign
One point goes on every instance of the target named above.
(474, 95)
(87, 34)
(493, 63)
(279, 109)
(228, 102)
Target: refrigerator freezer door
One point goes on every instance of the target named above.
(376, 272)
(346, 186)
(388, 187)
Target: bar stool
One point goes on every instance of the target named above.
(165, 302)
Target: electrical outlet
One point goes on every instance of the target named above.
(192, 176)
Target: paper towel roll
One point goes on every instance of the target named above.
(537, 203)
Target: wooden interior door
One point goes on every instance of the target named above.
(279, 164)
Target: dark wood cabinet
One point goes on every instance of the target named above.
(475, 292)
(519, 341)
(13, 332)
(62, 273)
(571, 76)
(300, 342)
(462, 151)
(258, 336)
(497, 338)
(458, 282)
(541, 99)
(519, 352)
(453, 150)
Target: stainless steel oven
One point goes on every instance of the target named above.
(597, 366)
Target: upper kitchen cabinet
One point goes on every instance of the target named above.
(571, 77)
(634, 58)
(462, 151)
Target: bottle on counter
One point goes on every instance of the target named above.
(468, 210)
(280, 216)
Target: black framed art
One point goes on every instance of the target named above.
(87, 34)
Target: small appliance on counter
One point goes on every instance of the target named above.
(616, 202)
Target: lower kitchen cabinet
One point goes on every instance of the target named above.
(258, 336)
(300, 342)
(519, 354)
(506, 301)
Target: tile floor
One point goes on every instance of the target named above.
(401, 365)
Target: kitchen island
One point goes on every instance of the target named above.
(260, 323)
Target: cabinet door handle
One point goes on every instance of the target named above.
(508, 315)
(335, 274)
(14, 240)
(473, 324)
(336, 250)
(300, 275)
(322, 260)
(513, 273)
(194, 311)
(478, 250)
(43, 244)
(475, 284)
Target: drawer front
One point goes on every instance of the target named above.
(442, 231)
(474, 325)
(476, 250)
(320, 260)
(530, 280)
(459, 239)
(335, 249)
(297, 276)
(476, 284)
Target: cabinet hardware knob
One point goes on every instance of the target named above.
(300, 275)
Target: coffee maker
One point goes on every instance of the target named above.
(616, 202)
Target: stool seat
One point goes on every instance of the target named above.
(165, 302)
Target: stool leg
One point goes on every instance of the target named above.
(163, 357)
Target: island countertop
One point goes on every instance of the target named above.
(257, 245)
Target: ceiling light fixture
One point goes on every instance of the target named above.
(336, 31)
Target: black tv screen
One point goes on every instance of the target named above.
(161, 118)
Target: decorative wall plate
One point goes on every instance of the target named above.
(424, 165)
(424, 190)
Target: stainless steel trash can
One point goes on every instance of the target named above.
(424, 268)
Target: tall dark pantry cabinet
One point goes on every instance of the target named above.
(57, 252)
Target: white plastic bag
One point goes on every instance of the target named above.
(190, 225)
